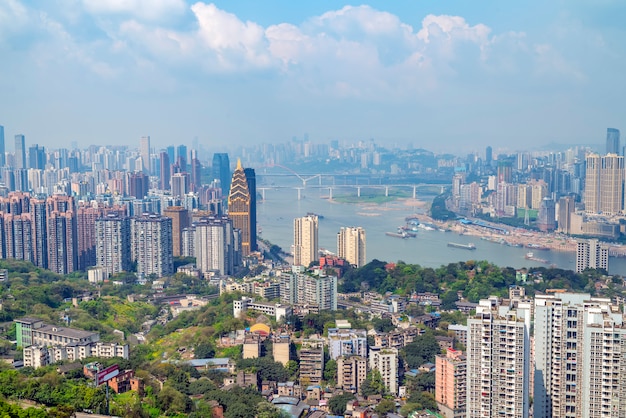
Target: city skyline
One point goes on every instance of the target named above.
(453, 74)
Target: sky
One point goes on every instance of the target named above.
(449, 76)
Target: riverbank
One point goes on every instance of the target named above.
(514, 237)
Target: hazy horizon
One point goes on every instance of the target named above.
(451, 77)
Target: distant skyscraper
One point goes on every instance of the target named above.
(181, 157)
(220, 170)
(171, 153)
(612, 141)
(36, 157)
(591, 254)
(505, 171)
(179, 183)
(196, 174)
(305, 240)
(3, 160)
(113, 251)
(567, 206)
(138, 185)
(164, 172)
(351, 245)
(20, 151)
(239, 208)
(151, 245)
(546, 218)
(144, 152)
(213, 245)
(488, 156)
(180, 221)
(592, 183)
(251, 179)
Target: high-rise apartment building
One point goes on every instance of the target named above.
(450, 383)
(220, 170)
(305, 240)
(385, 360)
(62, 242)
(298, 287)
(351, 372)
(240, 208)
(151, 245)
(604, 184)
(318, 290)
(591, 254)
(580, 351)
(40, 232)
(213, 245)
(18, 240)
(86, 217)
(144, 153)
(592, 183)
(498, 360)
(351, 245)
(180, 221)
(20, 151)
(612, 141)
(113, 251)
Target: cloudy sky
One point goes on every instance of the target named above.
(444, 75)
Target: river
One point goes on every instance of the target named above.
(281, 205)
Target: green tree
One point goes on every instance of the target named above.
(292, 368)
(267, 410)
(338, 403)
(422, 350)
(373, 384)
(330, 371)
(385, 406)
(204, 350)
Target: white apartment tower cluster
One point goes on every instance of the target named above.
(591, 254)
(580, 352)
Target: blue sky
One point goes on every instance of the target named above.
(451, 76)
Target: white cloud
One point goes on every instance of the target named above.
(153, 10)
(233, 41)
(13, 17)
(356, 51)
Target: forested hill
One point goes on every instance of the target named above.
(476, 279)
